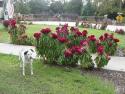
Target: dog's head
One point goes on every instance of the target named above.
(30, 54)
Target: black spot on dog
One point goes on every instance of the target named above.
(32, 50)
(25, 53)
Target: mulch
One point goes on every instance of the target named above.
(117, 77)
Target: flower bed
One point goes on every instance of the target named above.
(68, 47)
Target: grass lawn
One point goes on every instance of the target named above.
(4, 37)
(48, 80)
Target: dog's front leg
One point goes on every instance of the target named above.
(31, 65)
(23, 69)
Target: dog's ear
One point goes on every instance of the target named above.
(32, 50)
(25, 53)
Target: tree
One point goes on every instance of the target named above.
(56, 7)
(73, 6)
(38, 6)
(88, 9)
(21, 7)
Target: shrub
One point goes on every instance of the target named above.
(109, 42)
(121, 31)
(102, 58)
(18, 35)
(6, 23)
(92, 43)
(63, 47)
(67, 48)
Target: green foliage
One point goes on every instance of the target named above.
(22, 8)
(101, 61)
(88, 9)
(56, 7)
(86, 61)
(18, 35)
(74, 6)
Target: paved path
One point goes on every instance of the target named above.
(116, 63)
(55, 23)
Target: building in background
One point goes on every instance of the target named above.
(6, 9)
(1, 9)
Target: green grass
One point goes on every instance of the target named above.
(47, 80)
(4, 37)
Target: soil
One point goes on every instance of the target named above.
(118, 78)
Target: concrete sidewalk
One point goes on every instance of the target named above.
(116, 63)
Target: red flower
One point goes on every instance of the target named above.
(54, 35)
(46, 31)
(77, 49)
(80, 50)
(106, 35)
(68, 53)
(84, 33)
(116, 40)
(92, 38)
(37, 35)
(100, 50)
(101, 38)
(62, 40)
(111, 36)
(12, 22)
(78, 33)
(83, 42)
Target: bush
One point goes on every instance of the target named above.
(109, 42)
(6, 23)
(102, 58)
(68, 47)
(18, 35)
(121, 31)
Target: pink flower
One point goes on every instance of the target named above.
(62, 39)
(83, 42)
(68, 53)
(46, 31)
(54, 35)
(77, 49)
(100, 50)
(37, 35)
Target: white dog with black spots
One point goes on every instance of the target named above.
(26, 56)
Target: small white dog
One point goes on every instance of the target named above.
(26, 56)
